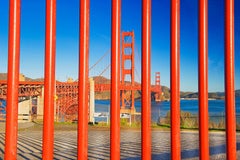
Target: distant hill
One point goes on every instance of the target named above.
(213, 95)
(106, 94)
(165, 90)
(101, 80)
(3, 76)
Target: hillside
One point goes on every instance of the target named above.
(106, 94)
(193, 95)
(3, 76)
(101, 80)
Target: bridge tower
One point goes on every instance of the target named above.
(157, 79)
(127, 71)
(157, 87)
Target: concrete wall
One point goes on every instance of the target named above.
(91, 101)
(40, 104)
(24, 111)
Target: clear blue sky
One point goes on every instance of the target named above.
(33, 28)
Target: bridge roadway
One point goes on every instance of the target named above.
(29, 145)
(34, 88)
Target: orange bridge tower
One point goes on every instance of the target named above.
(127, 71)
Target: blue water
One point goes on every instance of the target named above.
(2, 106)
(160, 109)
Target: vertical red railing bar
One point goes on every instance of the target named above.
(203, 79)
(175, 80)
(83, 81)
(49, 79)
(229, 80)
(12, 80)
(115, 81)
(146, 79)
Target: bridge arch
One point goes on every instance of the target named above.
(67, 108)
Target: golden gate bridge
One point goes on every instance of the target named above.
(66, 93)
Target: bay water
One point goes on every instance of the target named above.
(216, 108)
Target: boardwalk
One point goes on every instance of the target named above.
(29, 145)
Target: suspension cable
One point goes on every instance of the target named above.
(104, 70)
(105, 54)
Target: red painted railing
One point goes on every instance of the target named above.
(83, 80)
(229, 81)
(49, 80)
(175, 80)
(115, 81)
(146, 81)
(13, 72)
(203, 79)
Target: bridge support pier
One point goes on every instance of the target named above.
(91, 101)
(40, 100)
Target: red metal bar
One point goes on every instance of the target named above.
(146, 79)
(83, 81)
(115, 81)
(49, 81)
(203, 79)
(12, 80)
(229, 81)
(175, 80)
